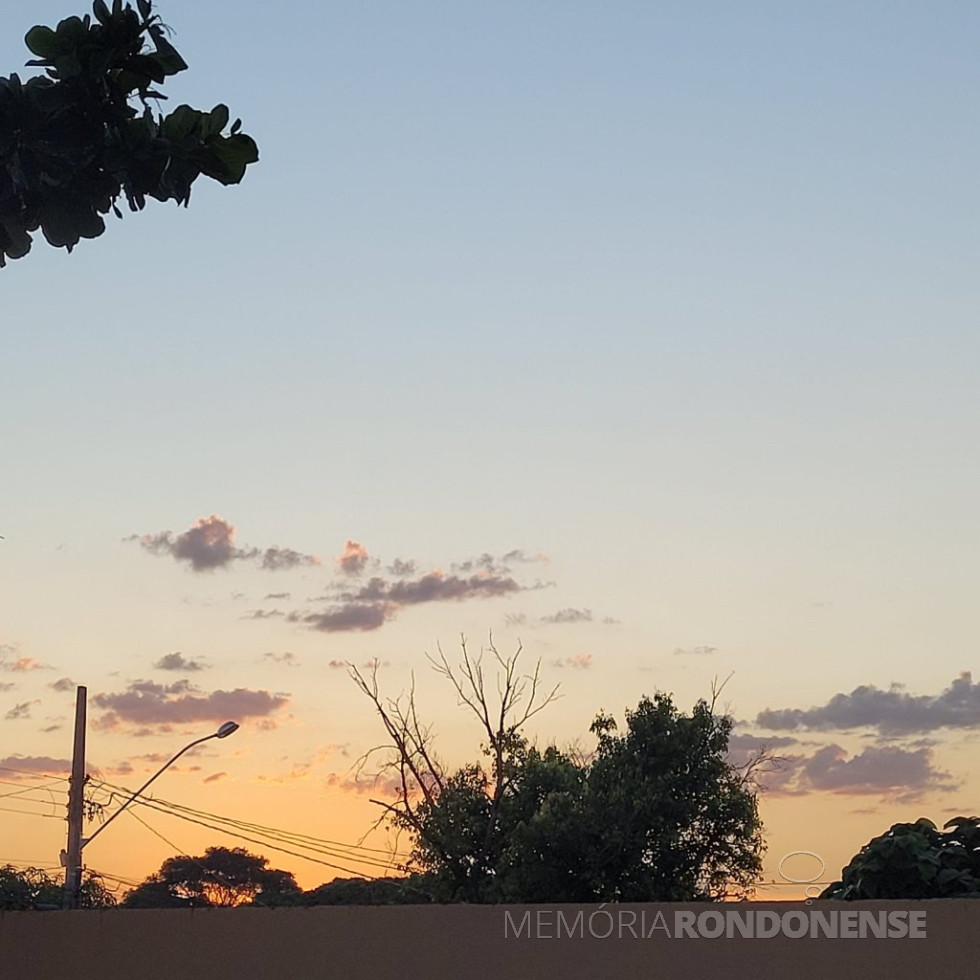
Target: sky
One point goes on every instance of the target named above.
(642, 335)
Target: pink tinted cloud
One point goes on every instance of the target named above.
(146, 703)
(353, 558)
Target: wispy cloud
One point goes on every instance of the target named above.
(210, 544)
(177, 661)
(403, 569)
(569, 615)
(501, 565)
(63, 684)
(703, 651)
(578, 661)
(287, 658)
(21, 711)
(12, 662)
(891, 712)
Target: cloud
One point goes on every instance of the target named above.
(22, 665)
(891, 772)
(34, 765)
(63, 684)
(499, 566)
(891, 712)
(337, 664)
(263, 614)
(6, 686)
(304, 771)
(274, 559)
(177, 661)
(287, 658)
(379, 600)
(703, 651)
(215, 777)
(147, 703)
(210, 544)
(281, 596)
(436, 586)
(403, 568)
(352, 617)
(20, 711)
(378, 784)
(569, 616)
(578, 661)
(353, 558)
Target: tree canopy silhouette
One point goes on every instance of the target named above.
(656, 813)
(915, 860)
(72, 141)
(33, 888)
(221, 876)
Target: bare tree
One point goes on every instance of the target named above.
(502, 703)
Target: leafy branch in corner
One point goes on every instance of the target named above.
(75, 139)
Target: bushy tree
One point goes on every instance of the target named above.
(219, 877)
(915, 860)
(655, 813)
(33, 888)
(412, 890)
(75, 139)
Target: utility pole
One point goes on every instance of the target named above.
(72, 858)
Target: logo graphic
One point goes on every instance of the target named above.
(804, 881)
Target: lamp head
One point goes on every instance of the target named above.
(227, 729)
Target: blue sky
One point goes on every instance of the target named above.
(681, 296)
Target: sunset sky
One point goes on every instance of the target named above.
(644, 334)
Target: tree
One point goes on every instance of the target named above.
(914, 861)
(33, 888)
(412, 890)
(656, 813)
(73, 141)
(219, 877)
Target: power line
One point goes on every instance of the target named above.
(31, 813)
(252, 840)
(34, 775)
(152, 830)
(333, 849)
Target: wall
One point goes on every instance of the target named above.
(498, 942)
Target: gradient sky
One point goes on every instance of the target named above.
(676, 301)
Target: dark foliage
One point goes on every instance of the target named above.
(75, 139)
(412, 890)
(219, 877)
(915, 860)
(656, 814)
(35, 889)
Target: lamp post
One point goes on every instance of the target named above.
(72, 858)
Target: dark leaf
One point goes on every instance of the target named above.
(43, 42)
(101, 11)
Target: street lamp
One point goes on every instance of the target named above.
(223, 732)
(72, 858)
